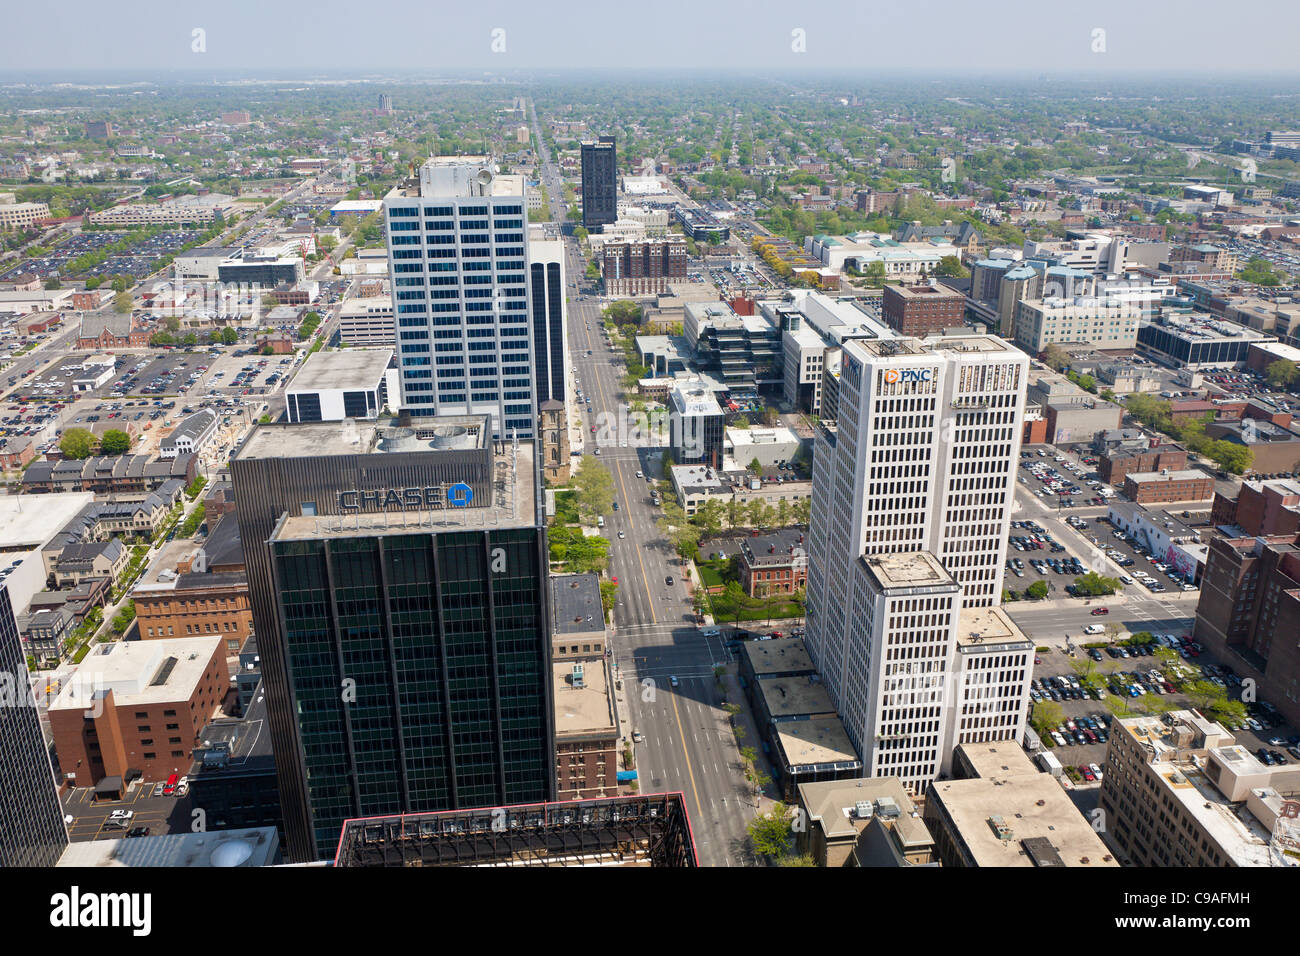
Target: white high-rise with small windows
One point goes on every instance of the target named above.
(458, 259)
(921, 462)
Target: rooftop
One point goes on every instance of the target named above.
(796, 696)
(575, 604)
(817, 742)
(255, 846)
(139, 672)
(513, 504)
(1013, 815)
(832, 803)
(1186, 474)
(1182, 770)
(987, 626)
(786, 655)
(27, 521)
(356, 437)
(910, 569)
(583, 704)
(342, 370)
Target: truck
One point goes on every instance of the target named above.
(1047, 760)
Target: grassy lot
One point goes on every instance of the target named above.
(711, 572)
(724, 611)
(566, 507)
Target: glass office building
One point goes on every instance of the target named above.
(458, 260)
(31, 820)
(401, 604)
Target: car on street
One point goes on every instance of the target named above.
(1099, 611)
(673, 681)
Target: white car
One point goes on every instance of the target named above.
(1096, 771)
(121, 815)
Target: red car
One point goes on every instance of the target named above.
(1087, 774)
(1098, 611)
(170, 787)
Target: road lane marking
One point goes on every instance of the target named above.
(685, 753)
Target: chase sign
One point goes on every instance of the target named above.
(457, 495)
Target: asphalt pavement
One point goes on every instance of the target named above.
(688, 744)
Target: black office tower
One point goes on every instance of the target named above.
(31, 820)
(398, 578)
(599, 183)
(550, 341)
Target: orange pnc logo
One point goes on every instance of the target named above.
(891, 375)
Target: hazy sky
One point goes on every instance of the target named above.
(138, 37)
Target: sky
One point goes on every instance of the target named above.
(143, 37)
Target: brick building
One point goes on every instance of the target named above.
(1260, 508)
(1249, 614)
(644, 267)
(586, 726)
(196, 605)
(1113, 466)
(1154, 487)
(137, 705)
(773, 563)
(922, 310)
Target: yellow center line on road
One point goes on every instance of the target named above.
(690, 770)
(645, 578)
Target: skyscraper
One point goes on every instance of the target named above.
(599, 183)
(31, 820)
(921, 462)
(458, 258)
(400, 595)
(550, 332)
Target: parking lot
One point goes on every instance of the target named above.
(1063, 479)
(138, 260)
(1133, 673)
(245, 375)
(1033, 554)
(155, 812)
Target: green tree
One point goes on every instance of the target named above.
(115, 442)
(608, 595)
(951, 266)
(122, 303)
(1282, 373)
(674, 525)
(228, 336)
(756, 467)
(76, 443)
(1056, 357)
(594, 487)
(1046, 714)
(769, 833)
(1037, 590)
(1093, 584)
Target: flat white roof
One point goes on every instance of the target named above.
(32, 520)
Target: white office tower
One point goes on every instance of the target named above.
(924, 675)
(921, 459)
(458, 258)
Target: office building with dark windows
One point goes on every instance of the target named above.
(401, 604)
(31, 821)
(331, 386)
(550, 335)
(458, 259)
(599, 183)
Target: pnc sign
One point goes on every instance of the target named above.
(894, 375)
